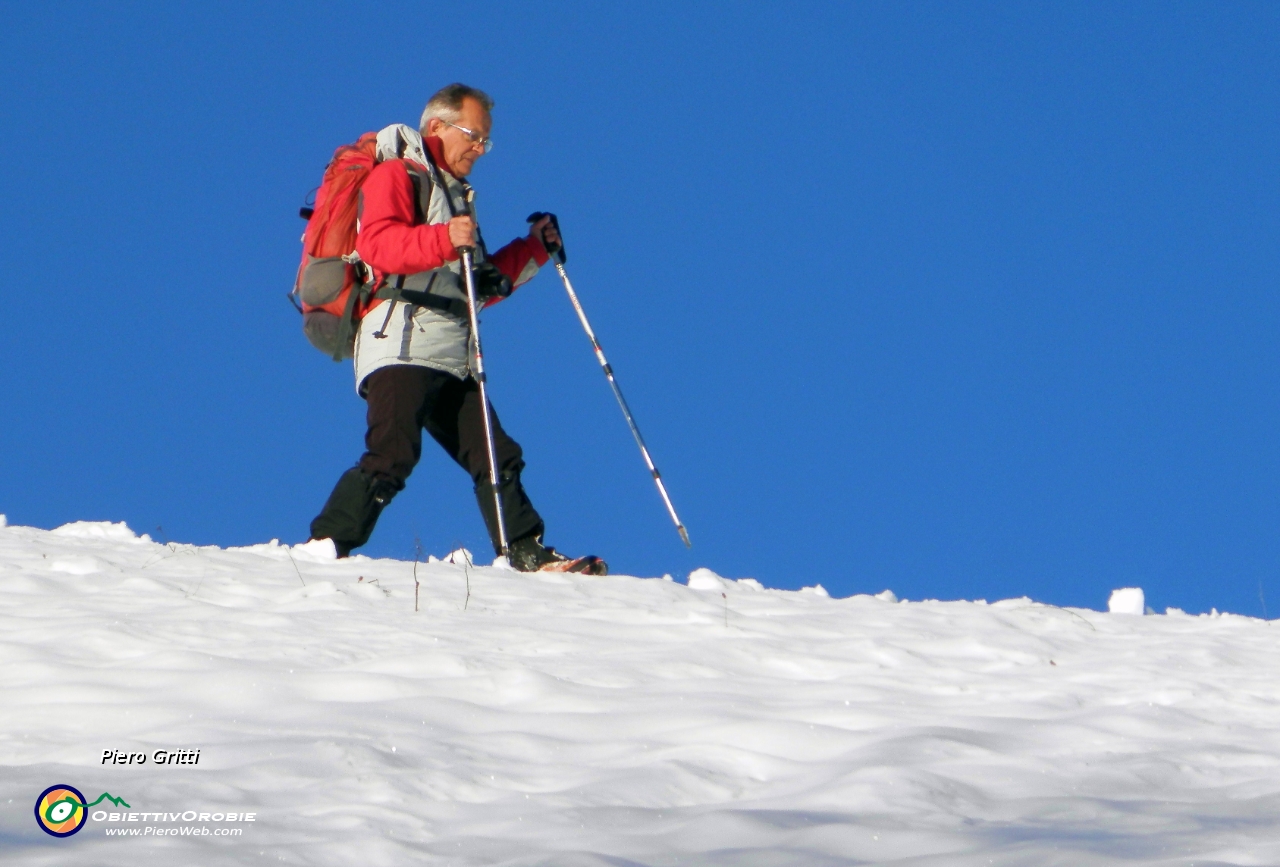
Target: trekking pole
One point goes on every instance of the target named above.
(558, 257)
(473, 307)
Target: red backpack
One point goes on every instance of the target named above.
(332, 283)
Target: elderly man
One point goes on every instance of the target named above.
(412, 353)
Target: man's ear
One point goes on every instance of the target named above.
(433, 126)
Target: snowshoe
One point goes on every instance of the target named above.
(530, 555)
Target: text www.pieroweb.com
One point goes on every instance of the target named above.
(181, 831)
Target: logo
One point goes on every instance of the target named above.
(61, 810)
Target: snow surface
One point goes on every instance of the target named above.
(566, 720)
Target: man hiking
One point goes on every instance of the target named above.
(413, 360)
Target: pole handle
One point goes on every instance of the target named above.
(556, 252)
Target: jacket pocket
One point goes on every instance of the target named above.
(323, 280)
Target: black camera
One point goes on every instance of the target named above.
(490, 282)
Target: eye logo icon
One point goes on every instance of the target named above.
(61, 810)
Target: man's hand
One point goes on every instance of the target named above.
(462, 232)
(544, 231)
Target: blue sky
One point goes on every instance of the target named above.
(965, 300)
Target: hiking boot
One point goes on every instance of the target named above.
(530, 555)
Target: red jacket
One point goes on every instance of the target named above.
(391, 240)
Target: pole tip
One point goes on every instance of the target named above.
(684, 534)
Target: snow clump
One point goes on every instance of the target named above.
(318, 550)
(1127, 600)
(104, 530)
(705, 579)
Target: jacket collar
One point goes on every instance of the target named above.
(436, 147)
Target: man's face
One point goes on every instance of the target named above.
(461, 150)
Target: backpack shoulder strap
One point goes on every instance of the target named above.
(421, 192)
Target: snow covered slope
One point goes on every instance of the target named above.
(583, 721)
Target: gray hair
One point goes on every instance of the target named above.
(447, 103)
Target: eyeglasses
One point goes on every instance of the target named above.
(485, 143)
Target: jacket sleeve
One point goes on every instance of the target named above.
(519, 260)
(388, 239)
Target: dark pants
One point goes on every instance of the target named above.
(403, 399)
